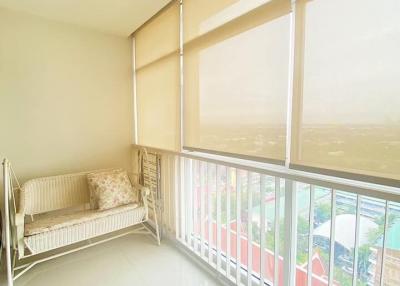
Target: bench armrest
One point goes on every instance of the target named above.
(19, 219)
(19, 223)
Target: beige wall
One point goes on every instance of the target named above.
(65, 97)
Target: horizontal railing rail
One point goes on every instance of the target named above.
(353, 186)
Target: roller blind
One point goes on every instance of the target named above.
(157, 80)
(348, 116)
(236, 77)
(159, 37)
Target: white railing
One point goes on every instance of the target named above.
(253, 225)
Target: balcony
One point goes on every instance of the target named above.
(229, 221)
(262, 136)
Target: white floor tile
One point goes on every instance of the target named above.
(130, 260)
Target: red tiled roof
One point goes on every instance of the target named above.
(319, 277)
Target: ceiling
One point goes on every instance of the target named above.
(119, 17)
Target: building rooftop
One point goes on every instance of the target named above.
(346, 222)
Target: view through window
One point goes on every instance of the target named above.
(216, 222)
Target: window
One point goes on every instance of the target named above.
(236, 78)
(349, 117)
(237, 73)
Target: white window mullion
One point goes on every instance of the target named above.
(181, 78)
(134, 94)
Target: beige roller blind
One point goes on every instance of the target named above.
(199, 14)
(236, 77)
(157, 81)
(348, 116)
(158, 104)
(159, 37)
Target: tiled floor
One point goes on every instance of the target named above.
(130, 260)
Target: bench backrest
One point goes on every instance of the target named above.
(53, 193)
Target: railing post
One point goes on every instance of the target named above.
(310, 236)
(289, 264)
(238, 228)
(228, 222)
(182, 200)
(249, 229)
(203, 187)
(218, 193)
(276, 227)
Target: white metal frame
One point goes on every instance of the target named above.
(228, 223)
(238, 228)
(249, 229)
(332, 235)
(289, 264)
(310, 236)
(134, 94)
(276, 226)
(156, 201)
(12, 259)
(262, 230)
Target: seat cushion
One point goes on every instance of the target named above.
(55, 222)
(91, 225)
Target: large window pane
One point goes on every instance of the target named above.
(350, 119)
(236, 87)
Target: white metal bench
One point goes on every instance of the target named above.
(48, 214)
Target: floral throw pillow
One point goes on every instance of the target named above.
(110, 189)
(93, 192)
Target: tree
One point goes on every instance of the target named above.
(302, 240)
(364, 252)
(322, 213)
